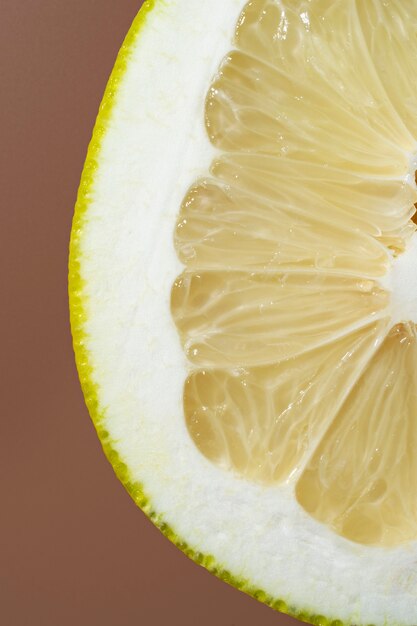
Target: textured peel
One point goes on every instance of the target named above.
(78, 317)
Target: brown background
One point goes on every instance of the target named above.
(74, 550)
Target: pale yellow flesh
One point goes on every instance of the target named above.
(297, 374)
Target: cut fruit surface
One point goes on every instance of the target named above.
(244, 295)
(278, 268)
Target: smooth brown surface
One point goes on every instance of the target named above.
(74, 549)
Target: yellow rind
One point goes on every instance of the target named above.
(78, 317)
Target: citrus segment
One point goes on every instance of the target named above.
(320, 51)
(263, 422)
(254, 319)
(391, 38)
(261, 225)
(380, 207)
(362, 478)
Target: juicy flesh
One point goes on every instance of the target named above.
(299, 374)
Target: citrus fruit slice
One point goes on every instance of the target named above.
(243, 290)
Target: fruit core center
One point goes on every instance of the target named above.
(402, 282)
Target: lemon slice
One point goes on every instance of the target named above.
(243, 286)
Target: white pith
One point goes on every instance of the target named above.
(155, 147)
